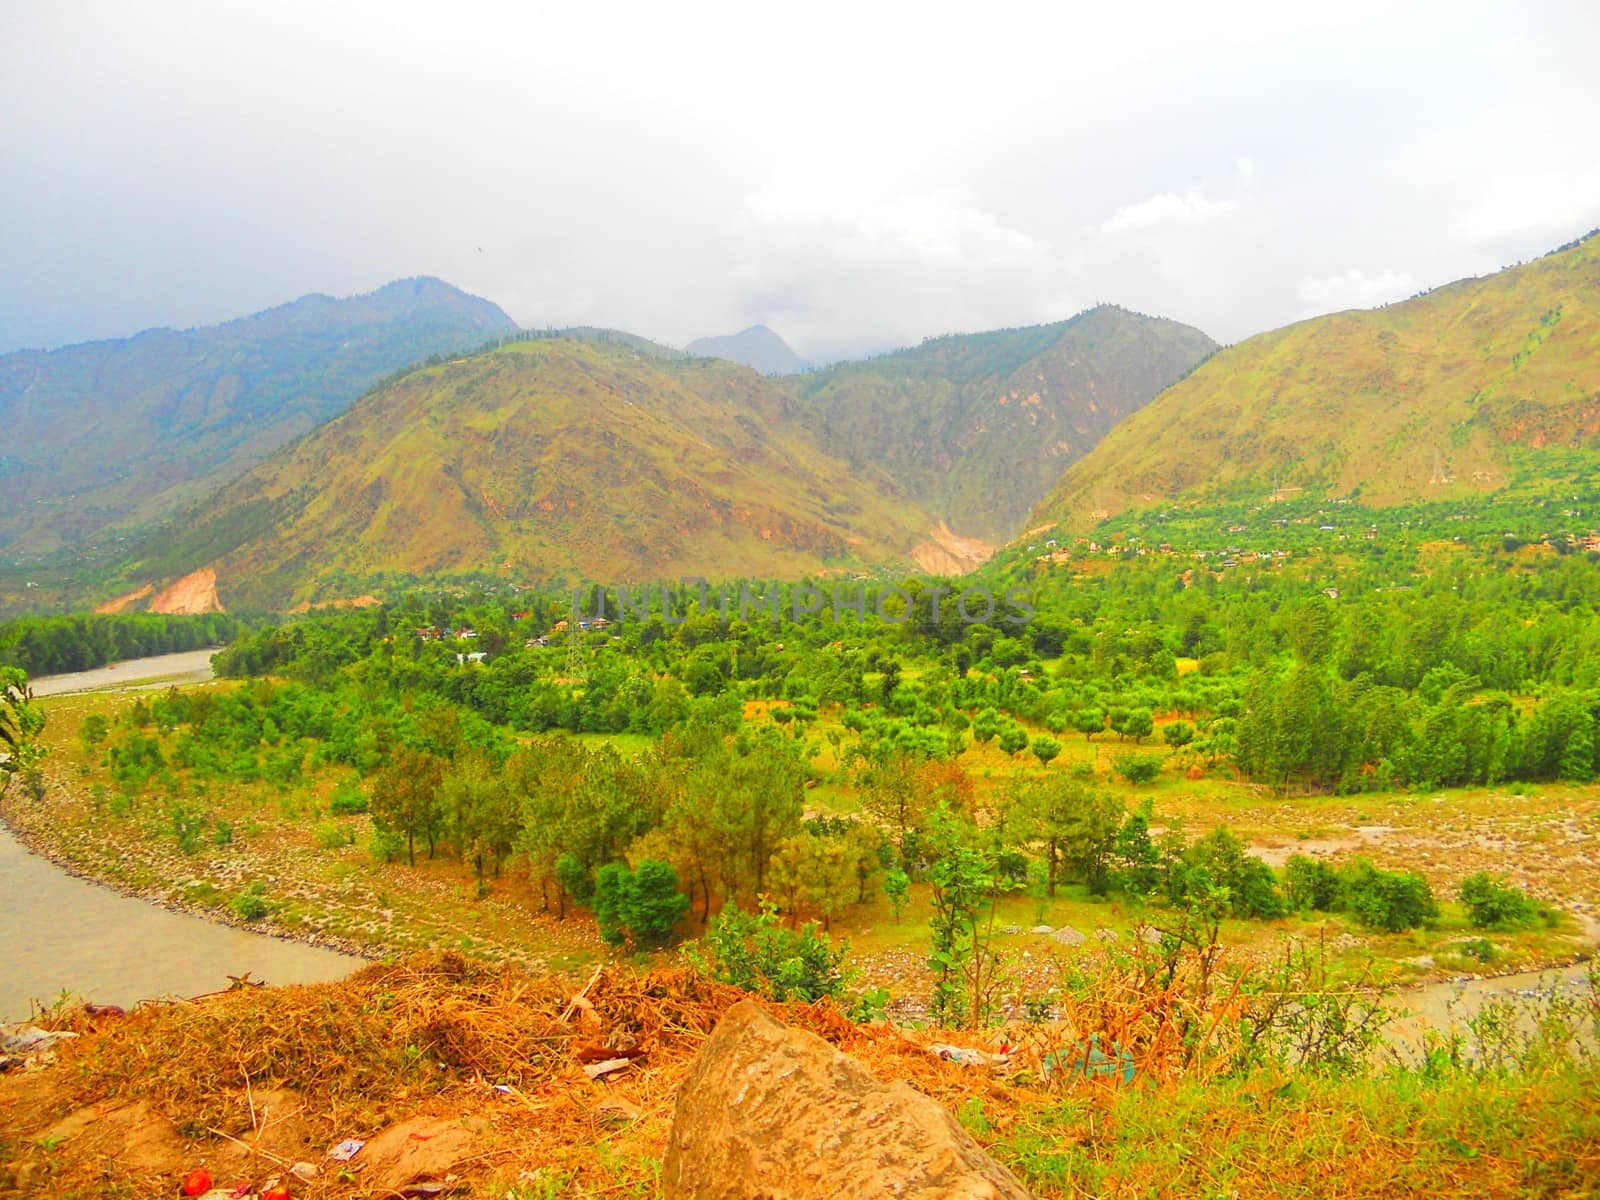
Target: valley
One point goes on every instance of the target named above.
(893, 690)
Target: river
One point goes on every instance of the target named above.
(189, 666)
(63, 934)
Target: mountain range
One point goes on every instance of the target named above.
(592, 454)
(117, 432)
(1470, 388)
(547, 459)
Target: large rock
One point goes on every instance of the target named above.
(773, 1113)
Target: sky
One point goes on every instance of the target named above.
(858, 176)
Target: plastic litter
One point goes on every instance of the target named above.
(967, 1056)
(1093, 1063)
(610, 1066)
(349, 1148)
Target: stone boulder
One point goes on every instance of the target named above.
(768, 1112)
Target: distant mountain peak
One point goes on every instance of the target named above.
(757, 347)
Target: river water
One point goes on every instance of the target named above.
(63, 934)
(59, 933)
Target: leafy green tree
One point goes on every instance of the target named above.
(405, 799)
(1013, 739)
(20, 723)
(1089, 721)
(1178, 734)
(896, 885)
(1075, 823)
(1045, 749)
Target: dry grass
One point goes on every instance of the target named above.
(249, 1081)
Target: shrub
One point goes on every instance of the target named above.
(1311, 886)
(1494, 904)
(1389, 900)
(330, 835)
(1218, 860)
(348, 799)
(1137, 768)
(249, 905)
(756, 952)
(187, 827)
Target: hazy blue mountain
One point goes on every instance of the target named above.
(128, 430)
(757, 347)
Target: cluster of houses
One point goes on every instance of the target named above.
(432, 633)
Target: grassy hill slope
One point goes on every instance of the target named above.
(541, 460)
(107, 432)
(978, 427)
(1474, 387)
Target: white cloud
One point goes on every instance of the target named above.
(1542, 202)
(1168, 210)
(1354, 289)
(836, 268)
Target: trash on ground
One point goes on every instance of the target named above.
(609, 1067)
(1093, 1063)
(349, 1148)
(967, 1056)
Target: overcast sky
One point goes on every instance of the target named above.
(856, 176)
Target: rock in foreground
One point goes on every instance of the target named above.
(773, 1113)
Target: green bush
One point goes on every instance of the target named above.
(1389, 900)
(1137, 768)
(348, 799)
(644, 905)
(756, 952)
(330, 835)
(1494, 904)
(249, 905)
(1310, 886)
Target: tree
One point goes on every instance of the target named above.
(1045, 749)
(1089, 721)
(1013, 739)
(405, 799)
(1076, 823)
(896, 884)
(20, 723)
(1178, 734)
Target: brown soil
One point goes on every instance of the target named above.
(948, 553)
(126, 601)
(195, 593)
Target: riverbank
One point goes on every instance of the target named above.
(69, 938)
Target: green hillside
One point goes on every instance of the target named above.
(542, 460)
(978, 427)
(117, 432)
(1474, 388)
